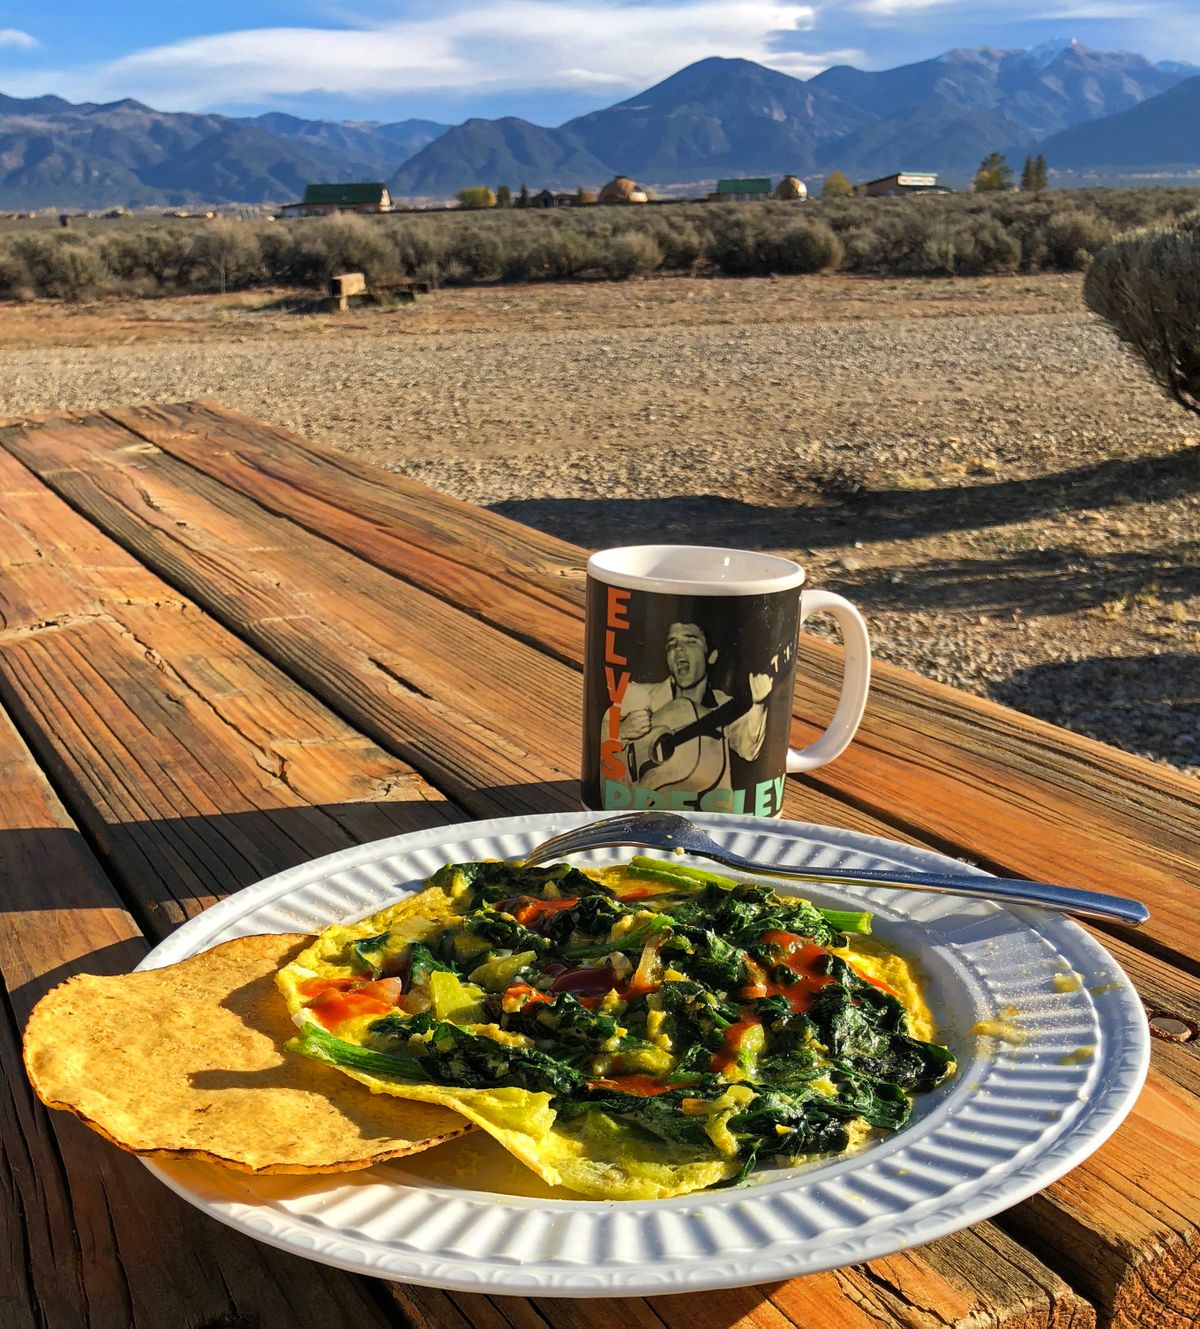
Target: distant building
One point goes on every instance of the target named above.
(548, 199)
(791, 187)
(905, 182)
(321, 200)
(622, 190)
(742, 191)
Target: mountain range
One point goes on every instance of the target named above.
(55, 153)
(1087, 111)
(1170, 122)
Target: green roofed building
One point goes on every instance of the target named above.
(736, 191)
(320, 200)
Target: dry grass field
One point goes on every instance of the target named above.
(974, 461)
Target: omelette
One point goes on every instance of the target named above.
(628, 1033)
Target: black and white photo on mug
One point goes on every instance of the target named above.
(693, 702)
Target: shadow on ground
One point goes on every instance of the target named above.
(1154, 701)
(1144, 703)
(1049, 581)
(843, 501)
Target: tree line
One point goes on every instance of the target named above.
(929, 235)
(993, 176)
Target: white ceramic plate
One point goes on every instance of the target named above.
(1021, 1111)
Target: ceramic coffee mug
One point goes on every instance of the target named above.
(689, 671)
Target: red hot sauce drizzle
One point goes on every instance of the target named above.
(529, 911)
(799, 954)
(722, 1060)
(528, 995)
(334, 1000)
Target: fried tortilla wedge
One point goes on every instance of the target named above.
(188, 1062)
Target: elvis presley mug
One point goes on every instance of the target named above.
(689, 672)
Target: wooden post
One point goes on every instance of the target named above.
(342, 287)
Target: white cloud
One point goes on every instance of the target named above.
(478, 47)
(893, 8)
(1174, 37)
(1119, 10)
(804, 64)
(583, 78)
(1023, 10)
(468, 49)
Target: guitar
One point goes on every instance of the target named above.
(684, 749)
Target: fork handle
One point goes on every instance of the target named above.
(1068, 899)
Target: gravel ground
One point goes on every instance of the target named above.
(976, 464)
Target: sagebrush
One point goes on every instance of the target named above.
(953, 235)
(1146, 286)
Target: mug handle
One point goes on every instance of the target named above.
(856, 679)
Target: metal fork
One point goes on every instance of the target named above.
(668, 830)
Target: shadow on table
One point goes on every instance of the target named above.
(167, 869)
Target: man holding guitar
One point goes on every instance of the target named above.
(678, 733)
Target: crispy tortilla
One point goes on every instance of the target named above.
(188, 1062)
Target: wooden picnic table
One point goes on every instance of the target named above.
(225, 650)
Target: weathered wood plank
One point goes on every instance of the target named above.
(469, 556)
(1124, 1228)
(438, 686)
(89, 1239)
(1042, 799)
(948, 1282)
(195, 764)
(369, 645)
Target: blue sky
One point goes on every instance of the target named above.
(545, 60)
